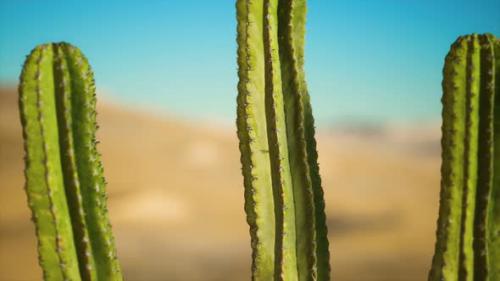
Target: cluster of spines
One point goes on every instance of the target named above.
(283, 195)
(466, 247)
(57, 106)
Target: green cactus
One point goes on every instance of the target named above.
(468, 235)
(283, 195)
(64, 176)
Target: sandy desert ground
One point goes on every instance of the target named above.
(176, 198)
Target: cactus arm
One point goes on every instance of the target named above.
(457, 144)
(89, 166)
(446, 255)
(62, 81)
(468, 185)
(304, 207)
(311, 220)
(321, 231)
(259, 204)
(44, 181)
(67, 126)
(275, 122)
(285, 248)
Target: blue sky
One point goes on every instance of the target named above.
(365, 60)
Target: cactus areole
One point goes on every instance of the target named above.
(468, 234)
(283, 195)
(64, 176)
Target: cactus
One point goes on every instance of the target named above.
(468, 235)
(64, 175)
(283, 195)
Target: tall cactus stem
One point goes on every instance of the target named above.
(283, 194)
(467, 245)
(64, 179)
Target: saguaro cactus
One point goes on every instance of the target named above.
(64, 176)
(468, 235)
(283, 195)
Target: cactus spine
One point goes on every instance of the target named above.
(64, 176)
(283, 195)
(468, 235)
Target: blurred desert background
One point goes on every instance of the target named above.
(166, 74)
(176, 197)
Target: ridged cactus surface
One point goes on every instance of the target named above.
(283, 195)
(64, 176)
(468, 235)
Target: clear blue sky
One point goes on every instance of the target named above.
(365, 60)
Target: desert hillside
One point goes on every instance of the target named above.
(176, 198)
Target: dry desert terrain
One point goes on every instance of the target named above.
(176, 198)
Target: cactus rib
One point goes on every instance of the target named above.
(467, 234)
(57, 106)
(283, 195)
(493, 219)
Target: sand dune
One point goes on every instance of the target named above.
(176, 199)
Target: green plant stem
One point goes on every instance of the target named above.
(467, 236)
(64, 177)
(283, 194)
